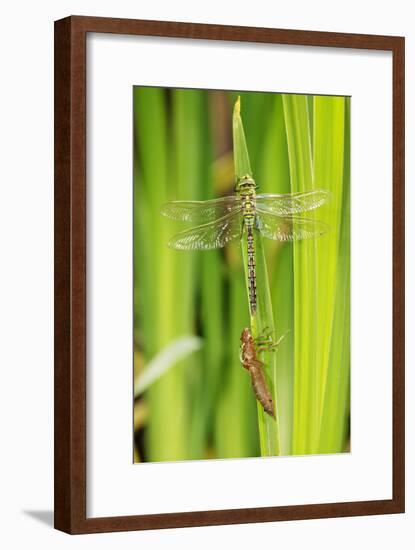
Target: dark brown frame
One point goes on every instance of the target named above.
(70, 273)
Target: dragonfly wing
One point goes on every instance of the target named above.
(289, 228)
(211, 235)
(292, 203)
(201, 211)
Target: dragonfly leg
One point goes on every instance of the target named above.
(267, 344)
(265, 337)
(265, 334)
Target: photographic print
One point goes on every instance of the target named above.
(202, 259)
(241, 274)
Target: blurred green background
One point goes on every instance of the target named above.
(193, 400)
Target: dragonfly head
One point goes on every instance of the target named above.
(246, 184)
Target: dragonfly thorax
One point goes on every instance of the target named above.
(248, 208)
(248, 205)
(246, 189)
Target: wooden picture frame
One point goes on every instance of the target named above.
(70, 273)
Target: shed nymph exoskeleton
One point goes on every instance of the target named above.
(250, 348)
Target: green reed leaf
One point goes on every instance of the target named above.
(263, 318)
(306, 389)
(240, 150)
(167, 358)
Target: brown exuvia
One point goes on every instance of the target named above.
(251, 362)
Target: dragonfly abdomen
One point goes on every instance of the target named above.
(251, 266)
(248, 208)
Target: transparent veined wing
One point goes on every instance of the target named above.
(289, 228)
(201, 211)
(211, 235)
(290, 204)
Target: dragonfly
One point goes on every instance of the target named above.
(222, 220)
